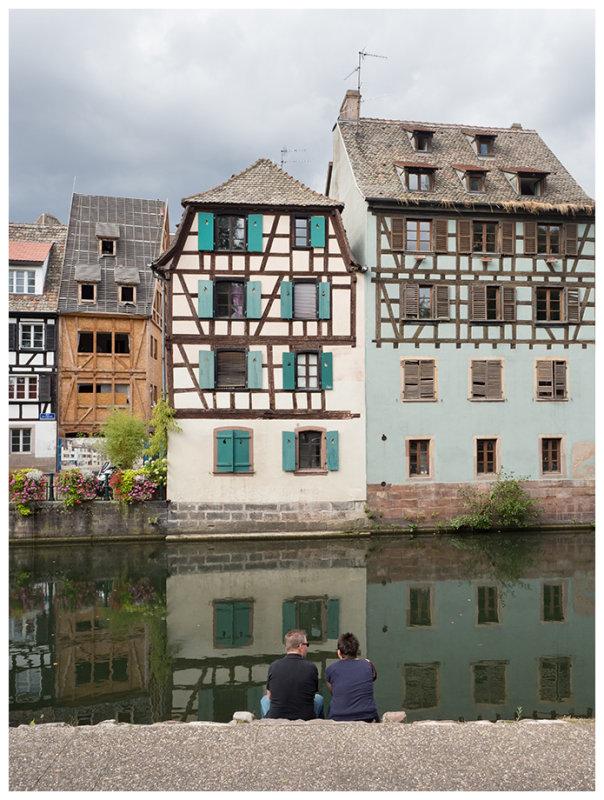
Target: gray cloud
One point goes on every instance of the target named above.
(169, 103)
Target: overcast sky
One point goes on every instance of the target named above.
(165, 104)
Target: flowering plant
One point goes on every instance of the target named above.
(132, 485)
(24, 595)
(26, 486)
(76, 595)
(74, 486)
(157, 470)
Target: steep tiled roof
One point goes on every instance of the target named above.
(31, 252)
(263, 183)
(374, 146)
(43, 235)
(140, 224)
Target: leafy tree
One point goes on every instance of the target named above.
(162, 423)
(124, 438)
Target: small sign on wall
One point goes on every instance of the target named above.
(47, 417)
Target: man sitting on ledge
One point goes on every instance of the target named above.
(292, 683)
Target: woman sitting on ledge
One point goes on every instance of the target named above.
(350, 681)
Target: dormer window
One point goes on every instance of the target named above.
(107, 234)
(422, 141)
(127, 294)
(484, 144)
(526, 182)
(87, 292)
(21, 281)
(416, 177)
(471, 176)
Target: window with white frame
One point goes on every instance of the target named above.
(20, 440)
(23, 387)
(31, 335)
(21, 281)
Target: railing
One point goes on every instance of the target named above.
(105, 492)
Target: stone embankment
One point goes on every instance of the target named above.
(275, 755)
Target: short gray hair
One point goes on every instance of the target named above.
(293, 639)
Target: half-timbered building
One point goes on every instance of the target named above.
(34, 273)
(110, 311)
(480, 312)
(264, 365)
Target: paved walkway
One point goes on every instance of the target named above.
(305, 756)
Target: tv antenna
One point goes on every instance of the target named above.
(362, 54)
(285, 150)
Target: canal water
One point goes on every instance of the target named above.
(458, 627)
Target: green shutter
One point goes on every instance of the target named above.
(317, 231)
(333, 619)
(254, 369)
(224, 451)
(332, 450)
(253, 298)
(289, 371)
(205, 230)
(241, 451)
(327, 371)
(324, 300)
(286, 299)
(206, 369)
(224, 624)
(205, 705)
(289, 451)
(254, 233)
(205, 299)
(288, 610)
(241, 624)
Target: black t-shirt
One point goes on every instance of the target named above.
(293, 683)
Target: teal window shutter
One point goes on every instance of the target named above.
(224, 624)
(254, 233)
(205, 299)
(289, 371)
(324, 300)
(286, 299)
(206, 369)
(224, 451)
(241, 451)
(288, 610)
(242, 633)
(289, 451)
(253, 305)
(205, 230)
(254, 369)
(317, 231)
(333, 619)
(326, 370)
(205, 705)
(332, 450)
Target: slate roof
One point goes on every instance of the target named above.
(262, 183)
(139, 227)
(36, 236)
(375, 145)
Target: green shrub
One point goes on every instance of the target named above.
(124, 438)
(162, 422)
(503, 504)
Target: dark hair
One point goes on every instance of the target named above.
(348, 645)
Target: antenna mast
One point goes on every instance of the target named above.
(285, 150)
(362, 54)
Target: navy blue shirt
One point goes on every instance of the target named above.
(292, 682)
(351, 682)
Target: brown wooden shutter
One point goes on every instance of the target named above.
(398, 233)
(478, 309)
(494, 382)
(509, 303)
(545, 386)
(464, 236)
(560, 379)
(411, 380)
(426, 379)
(571, 238)
(478, 376)
(441, 238)
(530, 238)
(573, 311)
(411, 301)
(508, 238)
(442, 302)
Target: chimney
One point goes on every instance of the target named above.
(516, 126)
(351, 106)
